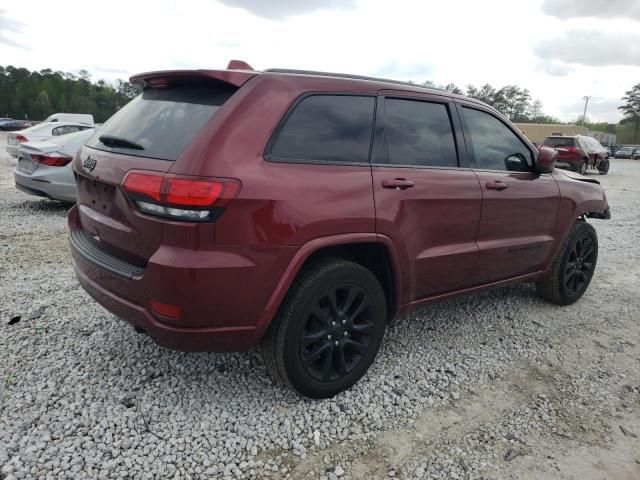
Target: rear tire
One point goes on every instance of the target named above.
(583, 168)
(604, 167)
(573, 268)
(328, 330)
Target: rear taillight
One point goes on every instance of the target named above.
(52, 159)
(21, 139)
(179, 197)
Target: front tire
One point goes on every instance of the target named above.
(328, 330)
(573, 268)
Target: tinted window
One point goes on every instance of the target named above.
(559, 142)
(419, 133)
(163, 120)
(495, 146)
(327, 127)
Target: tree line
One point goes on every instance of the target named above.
(516, 104)
(35, 95)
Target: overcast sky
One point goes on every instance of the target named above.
(560, 50)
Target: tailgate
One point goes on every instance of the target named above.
(105, 212)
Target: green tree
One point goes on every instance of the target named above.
(631, 109)
(35, 95)
(42, 105)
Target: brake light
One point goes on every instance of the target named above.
(21, 138)
(52, 159)
(179, 197)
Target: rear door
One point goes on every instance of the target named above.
(519, 206)
(427, 199)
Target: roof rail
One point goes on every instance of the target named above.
(349, 76)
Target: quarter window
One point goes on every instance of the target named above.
(495, 146)
(419, 133)
(332, 128)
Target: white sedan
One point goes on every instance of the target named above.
(44, 167)
(43, 131)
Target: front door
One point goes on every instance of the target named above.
(425, 202)
(519, 206)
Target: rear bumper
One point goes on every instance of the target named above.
(222, 294)
(44, 183)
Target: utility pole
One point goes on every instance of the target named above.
(586, 102)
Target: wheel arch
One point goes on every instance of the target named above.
(360, 248)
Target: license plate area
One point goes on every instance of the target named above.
(98, 195)
(25, 163)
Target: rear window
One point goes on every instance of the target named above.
(163, 120)
(329, 128)
(559, 142)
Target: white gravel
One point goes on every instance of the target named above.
(498, 385)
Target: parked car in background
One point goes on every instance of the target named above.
(42, 131)
(636, 154)
(10, 125)
(579, 153)
(44, 167)
(70, 117)
(626, 152)
(215, 186)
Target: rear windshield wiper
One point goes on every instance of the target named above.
(111, 141)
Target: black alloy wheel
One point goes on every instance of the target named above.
(328, 330)
(337, 332)
(580, 266)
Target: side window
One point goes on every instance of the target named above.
(333, 128)
(495, 146)
(419, 133)
(57, 131)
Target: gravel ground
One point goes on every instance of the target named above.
(497, 385)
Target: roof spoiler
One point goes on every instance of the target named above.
(237, 74)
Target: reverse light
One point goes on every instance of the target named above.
(52, 159)
(178, 197)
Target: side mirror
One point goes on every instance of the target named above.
(546, 160)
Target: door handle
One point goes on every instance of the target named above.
(397, 183)
(496, 185)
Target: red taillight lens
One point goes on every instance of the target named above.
(193, 192)
(21, 138)
(144, 184)
(52, 159)
(179, 197)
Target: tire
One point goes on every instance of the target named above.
(573, 268)
(582, 169)
(319, 345)
(604, 167)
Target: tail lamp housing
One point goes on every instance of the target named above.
(178, 197)
(52, 159)
(21, 139)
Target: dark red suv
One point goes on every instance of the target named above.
(301, 211)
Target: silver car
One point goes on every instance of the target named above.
(44, 167)
(42, 131)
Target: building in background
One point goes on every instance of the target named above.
(537, 132)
